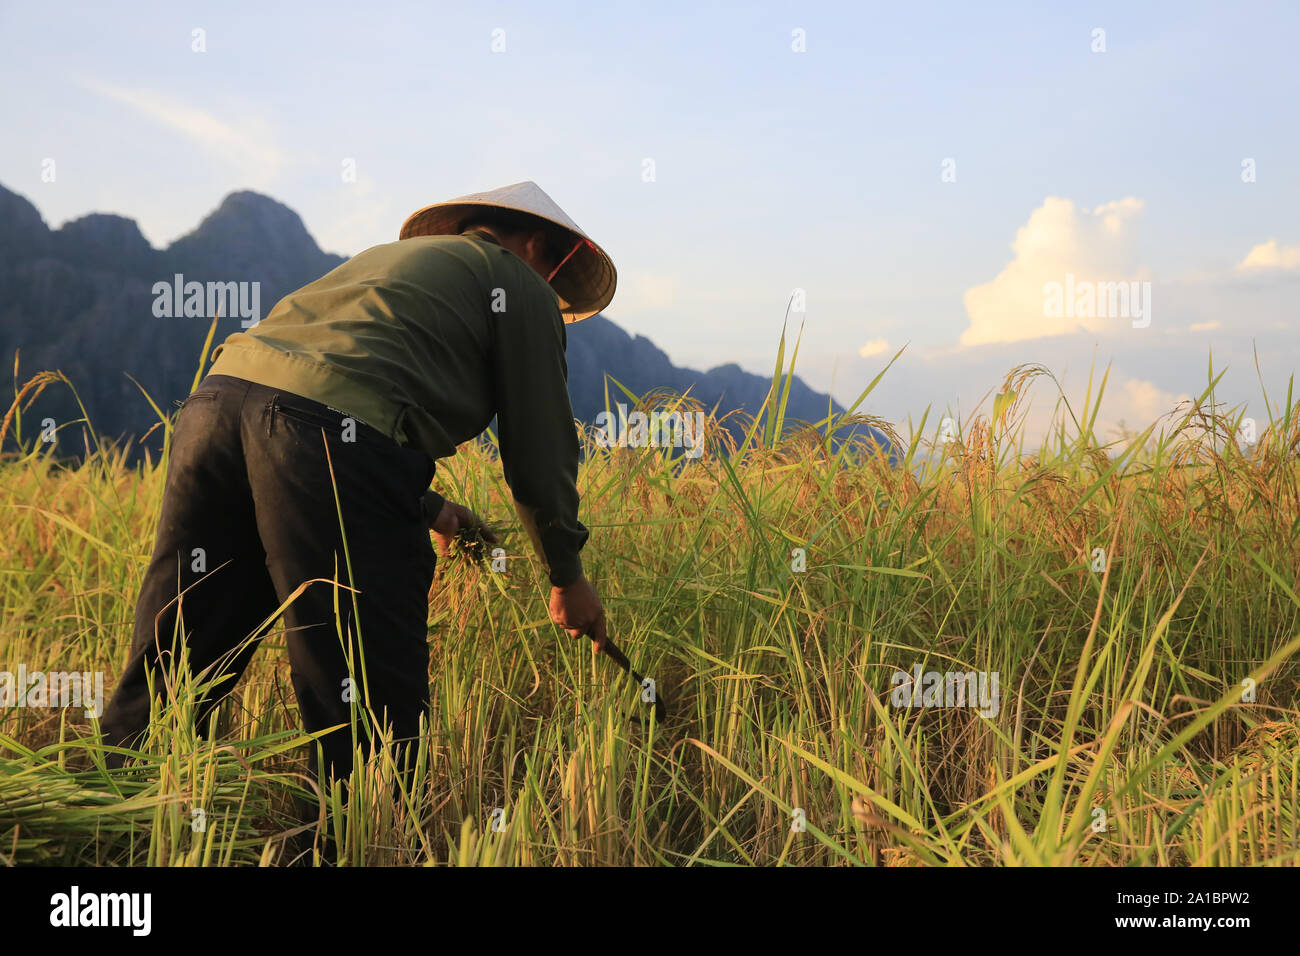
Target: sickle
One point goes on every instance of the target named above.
(610, 650)
(473, 549)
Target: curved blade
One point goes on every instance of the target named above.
(610, 650)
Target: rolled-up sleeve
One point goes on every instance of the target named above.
(535, 427)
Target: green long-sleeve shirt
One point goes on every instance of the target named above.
(426, 339)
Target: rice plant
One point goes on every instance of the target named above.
(1119, 621)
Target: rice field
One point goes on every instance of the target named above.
(983, 654)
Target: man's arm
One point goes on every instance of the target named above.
(432, 503)
(539, 444)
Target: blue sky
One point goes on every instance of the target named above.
(773, 169)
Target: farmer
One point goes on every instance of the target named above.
(317, 430)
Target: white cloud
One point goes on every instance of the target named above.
(257, 160)
(640, 292)
(1205, 326)
(874, 347)
(1057, 241)
(1140, 403)
(1269, 255)
(364, 217)
(1113, 214)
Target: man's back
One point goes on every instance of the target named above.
(401, 336)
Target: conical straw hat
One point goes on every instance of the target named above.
(585, 283)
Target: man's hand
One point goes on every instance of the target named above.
(453, 518)
(578, 610)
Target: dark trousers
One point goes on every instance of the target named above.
(249, 515)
